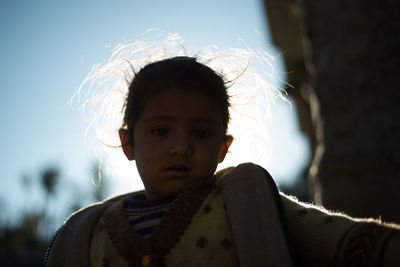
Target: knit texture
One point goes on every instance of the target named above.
(208, 240)
(145, 215)
(114, 233)
(100, 235)
(103, 252)
(324, 238)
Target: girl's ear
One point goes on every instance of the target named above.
(126, 145)
(224, 148)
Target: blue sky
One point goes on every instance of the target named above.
(48, 47)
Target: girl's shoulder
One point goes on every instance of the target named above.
(249, 191)
(246, 172)
(87, 217)
(73, 237)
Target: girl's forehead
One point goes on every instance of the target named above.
(172, 96)
(183, 104)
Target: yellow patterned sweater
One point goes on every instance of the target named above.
(205, 240)
(238, 220)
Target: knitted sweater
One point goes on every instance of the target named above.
(323, 238)
(188, 235)
(249, 230)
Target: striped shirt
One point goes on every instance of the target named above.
(145, 215)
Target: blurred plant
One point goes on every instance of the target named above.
(24, 242)
(20, 245)
(49, 179)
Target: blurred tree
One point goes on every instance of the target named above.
(49, 179)
(21, 245)
(24, 243)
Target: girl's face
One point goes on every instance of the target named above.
(178, 139)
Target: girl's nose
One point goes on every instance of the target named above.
(181, 147)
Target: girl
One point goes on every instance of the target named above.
(175, 123)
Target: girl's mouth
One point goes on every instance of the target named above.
(177, 170)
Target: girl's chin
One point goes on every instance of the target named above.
(171, 193)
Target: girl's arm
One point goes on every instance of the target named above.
(325, 238)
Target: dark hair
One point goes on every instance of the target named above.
(182, 72)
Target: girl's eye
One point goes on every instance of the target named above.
(201, 133)
(160, 131)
